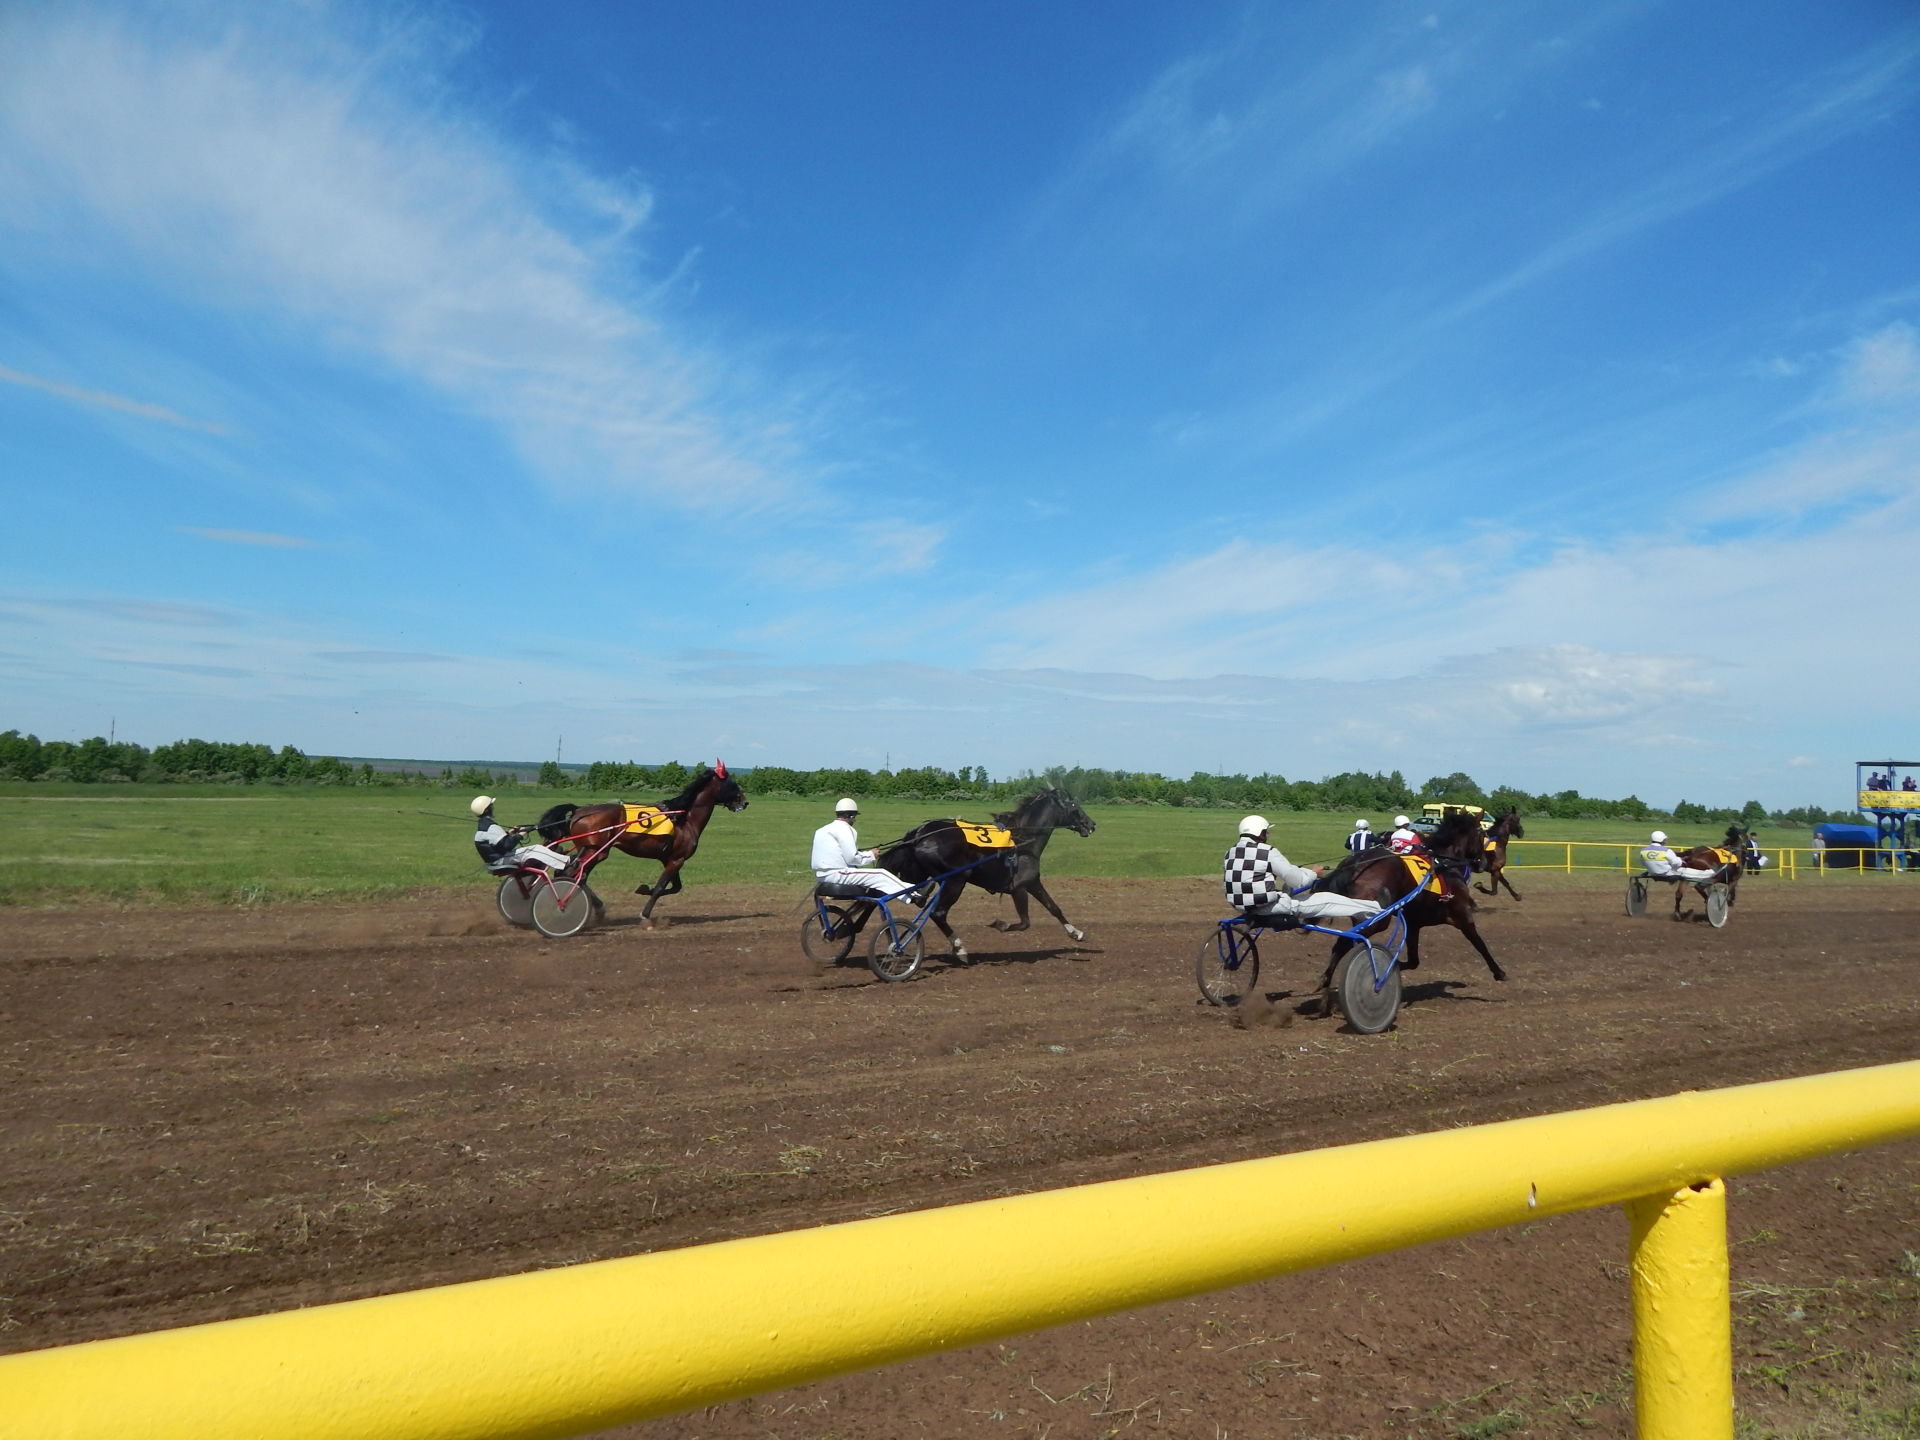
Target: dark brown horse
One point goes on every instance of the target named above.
(1506, 828)
(1728, 861)
(1456, 849)
(594, 831)
(939, 846)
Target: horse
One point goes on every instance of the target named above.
(1740, 845)
(588, 827)
(933, 849)
(1506, 828)
(1457, 848)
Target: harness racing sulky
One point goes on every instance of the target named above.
(938, 860)
(1713, 871)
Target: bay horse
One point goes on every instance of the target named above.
(1457, 848)
(1739, 844)
(590, 828)
(938, 846)
(1506, 828)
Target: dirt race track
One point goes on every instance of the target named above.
(222, 1112)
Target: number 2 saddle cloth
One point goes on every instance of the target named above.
(1419, 867)
(647, 820)
(985, 837)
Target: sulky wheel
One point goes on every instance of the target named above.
(1636, 895)
(1717, 903)
(828, 946)
(1369, 1009)
(894, 954)
(516, 901)
(1228, 965)
(562, 908)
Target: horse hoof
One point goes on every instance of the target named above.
(1076, 935)
(1500, 975)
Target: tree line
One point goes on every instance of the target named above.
(100, 761)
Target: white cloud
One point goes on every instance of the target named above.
(1883, 367)
(247, 537)
(103, 400)
(306, 164)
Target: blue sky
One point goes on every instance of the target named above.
(1525, 389)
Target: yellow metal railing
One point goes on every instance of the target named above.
(1568, 856)
(565, 1352)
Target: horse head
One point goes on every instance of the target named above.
(1458, 837)
(1508, 827)
(1741, 842)
(1045, 811)
(1067, 812)
(712, 787)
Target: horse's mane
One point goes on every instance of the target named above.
(1021, 806)
(684, 800)
(1452, 830)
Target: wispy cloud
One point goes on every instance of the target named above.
(306, 163)
(103, 400)
(248, 537)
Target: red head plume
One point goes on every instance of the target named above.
(720, 768)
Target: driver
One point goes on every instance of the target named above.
(837, 856)
(1257, 878)
(500, 848)
(1405, 840)
(1662, 859)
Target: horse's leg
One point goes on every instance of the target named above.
(1019, 894)
(668, 884)
(1340, 947)
(1039, 892)
(1500, 878)
(1463, 922)
(943, 902)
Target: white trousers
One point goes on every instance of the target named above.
(1682, 872)
(1320, 905)
(880, 882)
(541, 855)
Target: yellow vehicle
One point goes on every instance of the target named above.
(1434, 813)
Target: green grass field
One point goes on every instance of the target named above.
(251, 845)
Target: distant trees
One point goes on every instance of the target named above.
(96, 761)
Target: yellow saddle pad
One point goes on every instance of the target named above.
(647, 820)
(985, 837)
(1724, 857)
(1492, 845)
(1417, 867)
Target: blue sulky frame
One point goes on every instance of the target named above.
(1367, 979)
(896, 947)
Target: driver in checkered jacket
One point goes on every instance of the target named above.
(1257, 877)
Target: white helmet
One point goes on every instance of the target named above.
(1361, 825)
(1254, 825)
(845, 804)
(481, 804)
(1401, 820)
(1659, 837)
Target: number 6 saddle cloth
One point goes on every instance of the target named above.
(646, 820)
(985, 837)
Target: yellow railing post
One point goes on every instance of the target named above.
(1682, 1317)
(1569, 857)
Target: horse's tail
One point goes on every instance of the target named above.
(553, 824)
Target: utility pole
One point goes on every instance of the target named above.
(557, 744)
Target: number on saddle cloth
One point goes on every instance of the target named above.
(985, 837)
(646, 820)
(1418, 867)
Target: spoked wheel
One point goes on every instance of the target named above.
(563, 908)
(1637, 889)
(1228, 965)
(1367, 1009)
(829, 945)
(894, 954)
(1717, 903)
(516, 901)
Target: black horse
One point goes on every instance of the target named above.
(1456, 849)
(939, 846)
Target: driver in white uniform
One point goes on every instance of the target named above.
(837, 856)
(500, 848)
(1405, 840)
(1662, 859)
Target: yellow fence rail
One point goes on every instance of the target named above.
(565, 1352)
(1568, 856)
